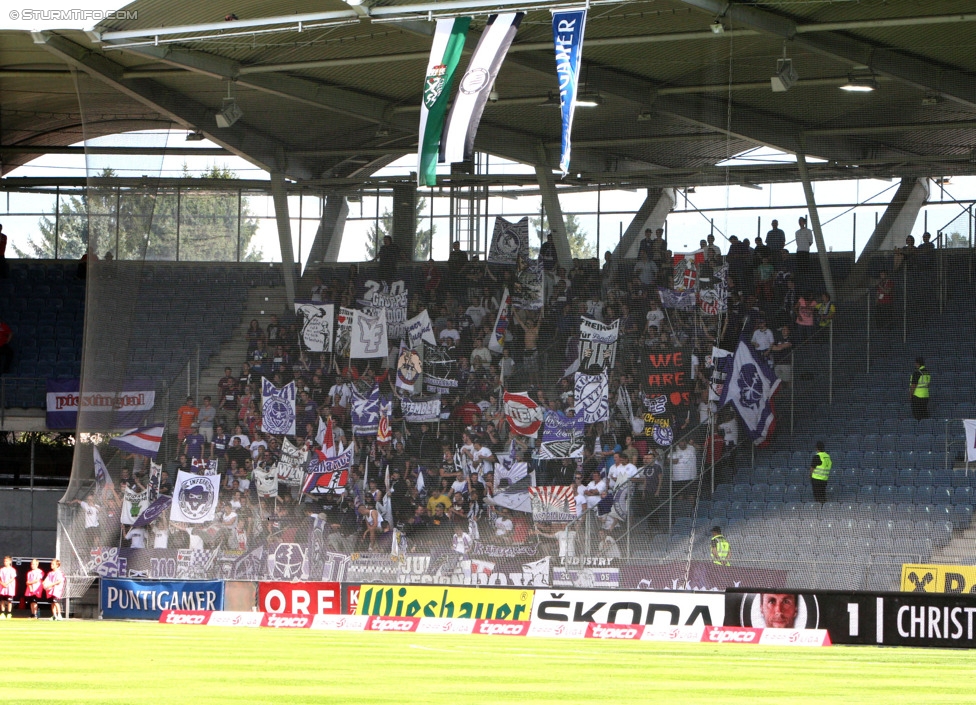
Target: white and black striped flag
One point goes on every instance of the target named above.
(475, 85)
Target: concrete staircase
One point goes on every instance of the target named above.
(960, 551)
(262, 301)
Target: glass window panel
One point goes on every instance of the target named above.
(208, 226)
(28, 203)
(29, 236)
(263, 245)
(355, 235)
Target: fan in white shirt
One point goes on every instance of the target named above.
(685, 462)
(620, 471)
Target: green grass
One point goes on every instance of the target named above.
(149, 664)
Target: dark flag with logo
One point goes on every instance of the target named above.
(457, 143)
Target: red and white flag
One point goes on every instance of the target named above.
(523, 414)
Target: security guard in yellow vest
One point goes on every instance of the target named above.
(819, 472)
(919, 390)
(721, 548)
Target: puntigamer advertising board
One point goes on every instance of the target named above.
(146, 599)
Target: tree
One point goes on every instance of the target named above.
(580, 246)
(421, 240)
(955, 239)
(142, 224)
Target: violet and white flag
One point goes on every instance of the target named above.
(592, 397)
(194, 498)
(277, 408)
(750, 388)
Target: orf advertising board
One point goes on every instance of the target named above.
(299, 598)
(629, 607)
(146, 599)
(888, 619)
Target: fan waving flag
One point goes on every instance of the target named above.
(445, 53)
(523, 414)
(750, 387)
(475, 86)
(142, 441)
(102, 478)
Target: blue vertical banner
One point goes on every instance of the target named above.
(567, 36)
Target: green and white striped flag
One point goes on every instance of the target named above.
(444, 57)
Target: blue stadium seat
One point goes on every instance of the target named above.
(870, 442)
(962, 495)
(924, 494)
(886, 493)
(722, 492)
(776, 493)
(905, 477)
(867, 493)
(887, 476)
(776, 477)
(960, 479)
(905, 443)
(740, 492)
(924, 442)
(755, 509)
(774, 510)
(848, 477)
(870, 459)
(961, 516)
(888, 460)
(905, 494)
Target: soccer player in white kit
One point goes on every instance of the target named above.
(8, 588)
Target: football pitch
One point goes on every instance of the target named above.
(149, 663)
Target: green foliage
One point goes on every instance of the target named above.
(421, 241)
(955, 239)
(579, 244)
(142, 224)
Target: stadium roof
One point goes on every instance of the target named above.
(330, 91)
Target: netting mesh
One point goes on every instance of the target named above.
(704, 378)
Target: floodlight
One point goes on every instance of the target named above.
(196, 136)
(717, 27)
(864, 83)
(786, 76)
(589, 100)
(230, 112)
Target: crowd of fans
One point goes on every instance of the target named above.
(438, 484)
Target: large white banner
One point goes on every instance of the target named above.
(592, 397)
(368, 337)
(291, 468)
(419, 331)
(970, 426)
(277, 408)
(266, 481)
(390, 301)
(133, 504)
(598, 343)
(316, 326)
(194, 498)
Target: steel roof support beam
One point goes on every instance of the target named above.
(279, 195)
(504, 142)
(927, 75)
(652, 214)
(244, 141)
(801, 163)
(554, 211)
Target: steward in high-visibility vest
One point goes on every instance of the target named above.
(820, 472)
(918, 390)
(721, 548)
